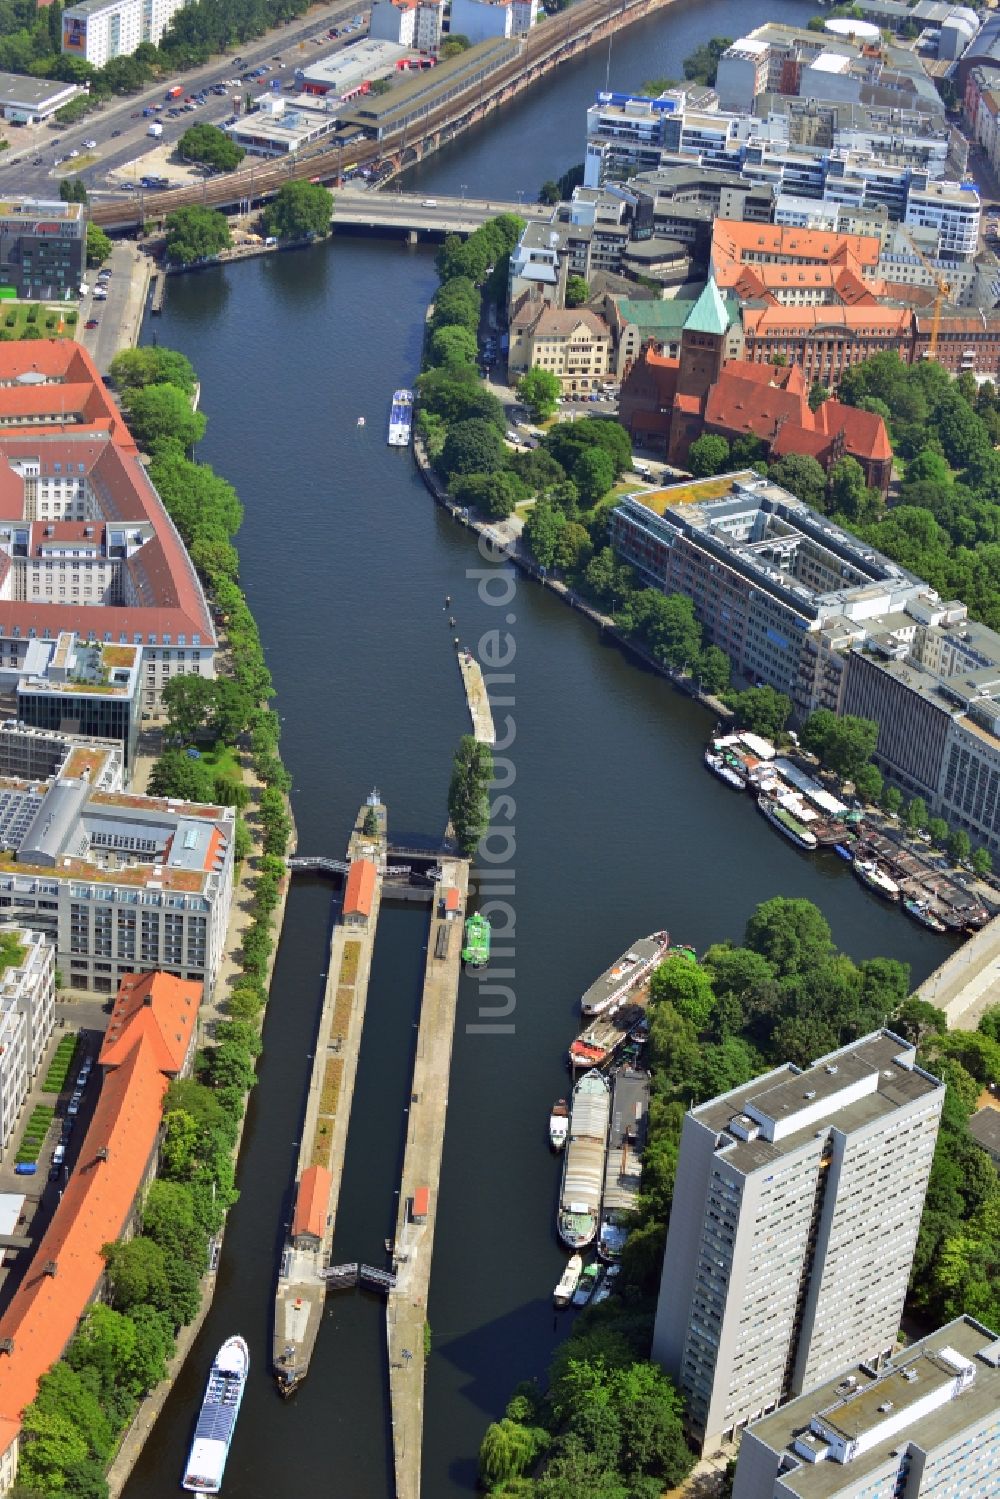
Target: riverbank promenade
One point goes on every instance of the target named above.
(967, 983)
(302, 1286)
(406, 1310)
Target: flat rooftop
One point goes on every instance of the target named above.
(848, 1089)
(851, 1408)
(15, 88)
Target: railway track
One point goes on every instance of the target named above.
(559, 38)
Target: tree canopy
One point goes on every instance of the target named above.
(468, 793)
(195, 234)
(159, 413)
(299, 210)
(212, 146)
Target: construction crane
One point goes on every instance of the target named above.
(943, 291)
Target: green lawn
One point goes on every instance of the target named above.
(55, 320)
(221, 760)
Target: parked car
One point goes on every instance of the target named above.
(73, 1107)
(55, 1172)
(81, 1078)
(25, 1168)
(90, 145)
(59, 1155)
(115, 134)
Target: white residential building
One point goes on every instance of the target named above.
(795, 1216)
(27, 1015)
(427, 36)
(98, 30)
(924, 1423)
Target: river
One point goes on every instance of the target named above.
(618, 828)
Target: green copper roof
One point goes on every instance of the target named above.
(709, 315)
(671, 316)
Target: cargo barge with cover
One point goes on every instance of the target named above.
(583, 1162)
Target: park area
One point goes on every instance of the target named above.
(48, 320)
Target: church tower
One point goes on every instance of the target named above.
(703, 344)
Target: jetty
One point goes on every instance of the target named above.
(623, 1163)
(303, 1275)
(406, 1307)
(477, 698)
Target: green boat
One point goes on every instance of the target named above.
(477, 941)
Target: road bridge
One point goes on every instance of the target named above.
(413, 215)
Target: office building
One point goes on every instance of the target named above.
(43, 249)
(923, 1424)
(98, 30)
(766, 573)
(86, 547)
(27, 1015)
(427, 33)
(795, 1216)
(82, 688)
(119, 883)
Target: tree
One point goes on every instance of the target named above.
(453, 46)
(72, 190)
(548, 193)
(209, 144)
(137, 1274)
(712, 670)
(162, 412)
(51, 1447)
(892, 800)
(982, 862)
(177, 774)
(496, 495)
(793, 935)
(916, 1020)
(98, 245)
(468, 793)
(845, 744)
(566, 441)
(703, 63)
(472, 447)
(708, 454)
(152, 365)
(542, 531)
(938, 829)
(686, 986)
(506, 1451)
(457, 301)
(195, 234)
(868, 783)
(803, 476)
(915, 816)
(577, 291)
(818, 394)
(370, 826)
(849, 495)
(299, 210)
(763, 710)
(451, 346)
(593, 474)
(959, 846)
(538, 390)
(189, 701)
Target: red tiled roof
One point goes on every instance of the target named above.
(75, 386)
(169, 598)
(95, 1208)
(160, 1007)
(311, 1202)
(735, 242)
(359, 891)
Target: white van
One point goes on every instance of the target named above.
(59, 1155)
(642, 469)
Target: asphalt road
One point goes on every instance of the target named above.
(120, 131)
(118, 316)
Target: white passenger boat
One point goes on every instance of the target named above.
(568, 1281)
(217, 1419)
(401, 419)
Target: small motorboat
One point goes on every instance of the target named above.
(361, 421)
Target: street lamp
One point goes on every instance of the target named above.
(463, 186)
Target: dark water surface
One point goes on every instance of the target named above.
(617, 828)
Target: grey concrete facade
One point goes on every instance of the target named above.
(795, 1216)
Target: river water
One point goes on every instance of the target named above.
(615, 828)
